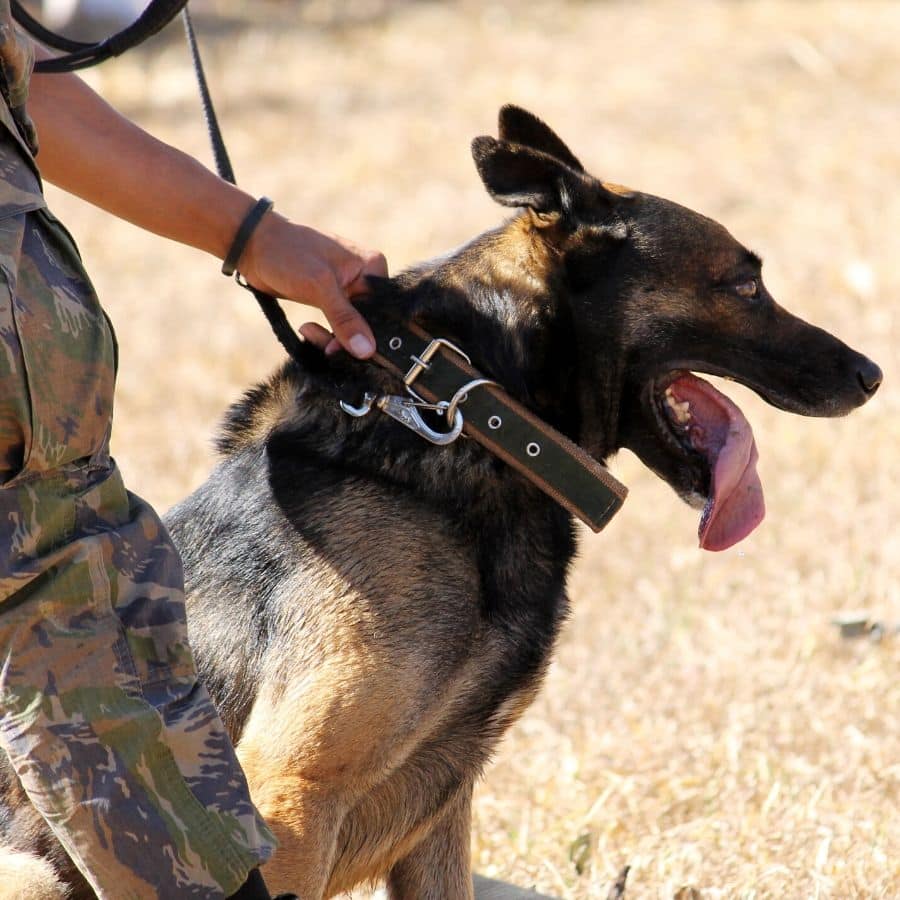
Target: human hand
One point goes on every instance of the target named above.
(298, 263)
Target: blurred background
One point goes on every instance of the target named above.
(704, 720)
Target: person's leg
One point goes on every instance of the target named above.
(114, 740)
(117, 744)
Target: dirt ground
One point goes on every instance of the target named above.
(703, 722)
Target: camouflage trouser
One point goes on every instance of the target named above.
(101, 714)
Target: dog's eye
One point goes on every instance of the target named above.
(747, 289)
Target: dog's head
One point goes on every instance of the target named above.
(655, 292)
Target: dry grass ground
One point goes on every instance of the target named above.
(703, 720)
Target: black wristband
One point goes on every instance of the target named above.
(244, 232)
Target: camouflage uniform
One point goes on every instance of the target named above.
(101, 714)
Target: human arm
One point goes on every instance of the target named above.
(91, 150)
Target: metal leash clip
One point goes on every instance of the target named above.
(405, 410)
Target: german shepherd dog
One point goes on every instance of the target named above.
(372, 612)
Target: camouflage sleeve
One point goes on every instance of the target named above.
(16, 66)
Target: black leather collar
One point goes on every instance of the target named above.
(438, 374)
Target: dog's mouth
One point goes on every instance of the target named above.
(702, 424)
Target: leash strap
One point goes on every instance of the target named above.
(220, 153)
(272, 310)
(556, 465)
(78, 55)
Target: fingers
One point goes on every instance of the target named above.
(317, 335)
(349, 327)
(320, 337)
(374, 264)
(299, 263)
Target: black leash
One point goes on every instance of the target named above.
(79, 55)
(271, 308)
(223, 163)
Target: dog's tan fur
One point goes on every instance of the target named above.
(24, 876)
(318, 745)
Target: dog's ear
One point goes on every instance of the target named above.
(516, 175)
(518, 126)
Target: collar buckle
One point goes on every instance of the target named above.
(422, 363)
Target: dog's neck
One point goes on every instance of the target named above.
(504, 299)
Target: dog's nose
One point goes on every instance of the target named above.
(869, 375)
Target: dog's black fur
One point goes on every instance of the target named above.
(371, 612)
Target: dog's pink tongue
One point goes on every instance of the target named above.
(720, 432)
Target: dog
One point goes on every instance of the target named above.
(370, 611)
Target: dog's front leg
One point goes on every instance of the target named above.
(306, 821)
(439, 866)
(304, 815)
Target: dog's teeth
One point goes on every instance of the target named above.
(681, 411)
